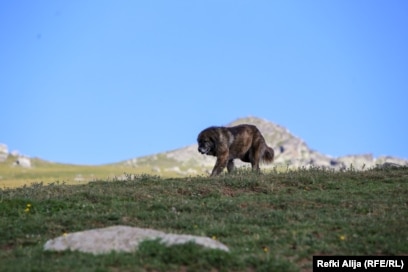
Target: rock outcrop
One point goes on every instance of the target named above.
(24, 162)
(3, 152)
(20, 160)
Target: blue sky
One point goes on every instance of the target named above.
(92, 82)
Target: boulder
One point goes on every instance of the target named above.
(122, 239)
(23, 162)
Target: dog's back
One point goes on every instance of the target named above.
(249, 145)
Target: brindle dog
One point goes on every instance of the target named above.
(243, 142)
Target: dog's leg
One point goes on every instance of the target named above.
(230, 166)
(255, 159)
(220, 164)
(255, 166)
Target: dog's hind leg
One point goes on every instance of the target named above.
(255, 159)
(255, 166)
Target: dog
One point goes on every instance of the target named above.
(243, 142)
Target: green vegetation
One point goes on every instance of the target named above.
(270, 222)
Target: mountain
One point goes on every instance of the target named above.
(290, 152)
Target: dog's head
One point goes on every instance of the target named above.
(207, 141)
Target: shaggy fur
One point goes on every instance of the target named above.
(243, 142)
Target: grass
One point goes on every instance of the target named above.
(270, 222)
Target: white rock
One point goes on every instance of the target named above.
(122, 239)
(79, 178)
(3, 152)
(23, 162)
(174, 169)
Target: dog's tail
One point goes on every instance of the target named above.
(268, 155)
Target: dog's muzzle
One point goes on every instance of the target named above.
(203, 150)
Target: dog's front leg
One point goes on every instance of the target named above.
(230, 166)
(220, 164)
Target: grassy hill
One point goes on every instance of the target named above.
(270, 222)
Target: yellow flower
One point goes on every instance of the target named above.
(214, 237)
(27, 210)
(343, 237)
(265, 249)
(28, 205)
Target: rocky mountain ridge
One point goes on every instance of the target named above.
(290, 152)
